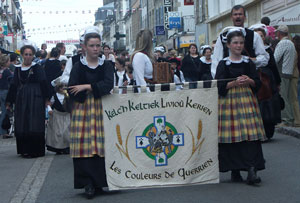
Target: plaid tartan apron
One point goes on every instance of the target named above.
(239, 117)
(86, 132)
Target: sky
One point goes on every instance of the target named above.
(65, 22)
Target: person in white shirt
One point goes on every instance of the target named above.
(254, 46)
(285, 56)
(141, 59)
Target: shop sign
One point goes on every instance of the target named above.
(290, 16)
(174, 20)
(167, 9)
(9, 38)
(160, 30)
(188, 2)
(5, 32)
(185, 41)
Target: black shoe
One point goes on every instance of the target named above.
(236, 176)
(66, 151)
(89, 191)
(99, 191)
(252, 177)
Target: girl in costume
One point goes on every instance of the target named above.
(240, 125)
(58, 129)
(90, 79)
(121, 77)
(178, 75)
(205, 62)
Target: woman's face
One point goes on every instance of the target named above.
(106, 50)
(207, 53)
(119, 66)
(193, 50)
(261, 35)
(93, 47)
(27, 57)
(44, 47)
(236, 45)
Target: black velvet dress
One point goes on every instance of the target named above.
(29, 92)
(53, 71)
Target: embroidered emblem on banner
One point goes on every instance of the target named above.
(160, 140)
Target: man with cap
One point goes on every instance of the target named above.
(285, 56)
(254, 46)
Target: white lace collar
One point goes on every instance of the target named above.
(120, 73)
(25, 68)
(84, 61)
(203, 59)
(228, 61)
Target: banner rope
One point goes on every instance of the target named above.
(186, 83)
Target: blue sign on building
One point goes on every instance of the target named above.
(174, 22)
(160, 30)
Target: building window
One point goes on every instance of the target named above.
(237, 2)
(225, 5)
(213, 8)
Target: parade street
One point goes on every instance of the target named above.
(50, 179)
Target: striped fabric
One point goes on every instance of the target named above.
(87, 133)
(239, 117)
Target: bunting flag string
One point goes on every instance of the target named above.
(52, 32)
(62, 12)
(39, 12)
(30, 0)
(79, 25)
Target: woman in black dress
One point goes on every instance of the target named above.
(53, 68)
(270, 107)
(191, 66)
(29, 92)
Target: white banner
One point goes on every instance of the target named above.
(161, 138)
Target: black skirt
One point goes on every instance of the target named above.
(89, 171)
(31, 144)
(60, 151)
(241, 156)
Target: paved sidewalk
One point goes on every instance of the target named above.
(21, 178)
(292, 131)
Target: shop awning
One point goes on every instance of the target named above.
(290, 16)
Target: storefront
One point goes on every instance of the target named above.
(184, 42)
(289, 16)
